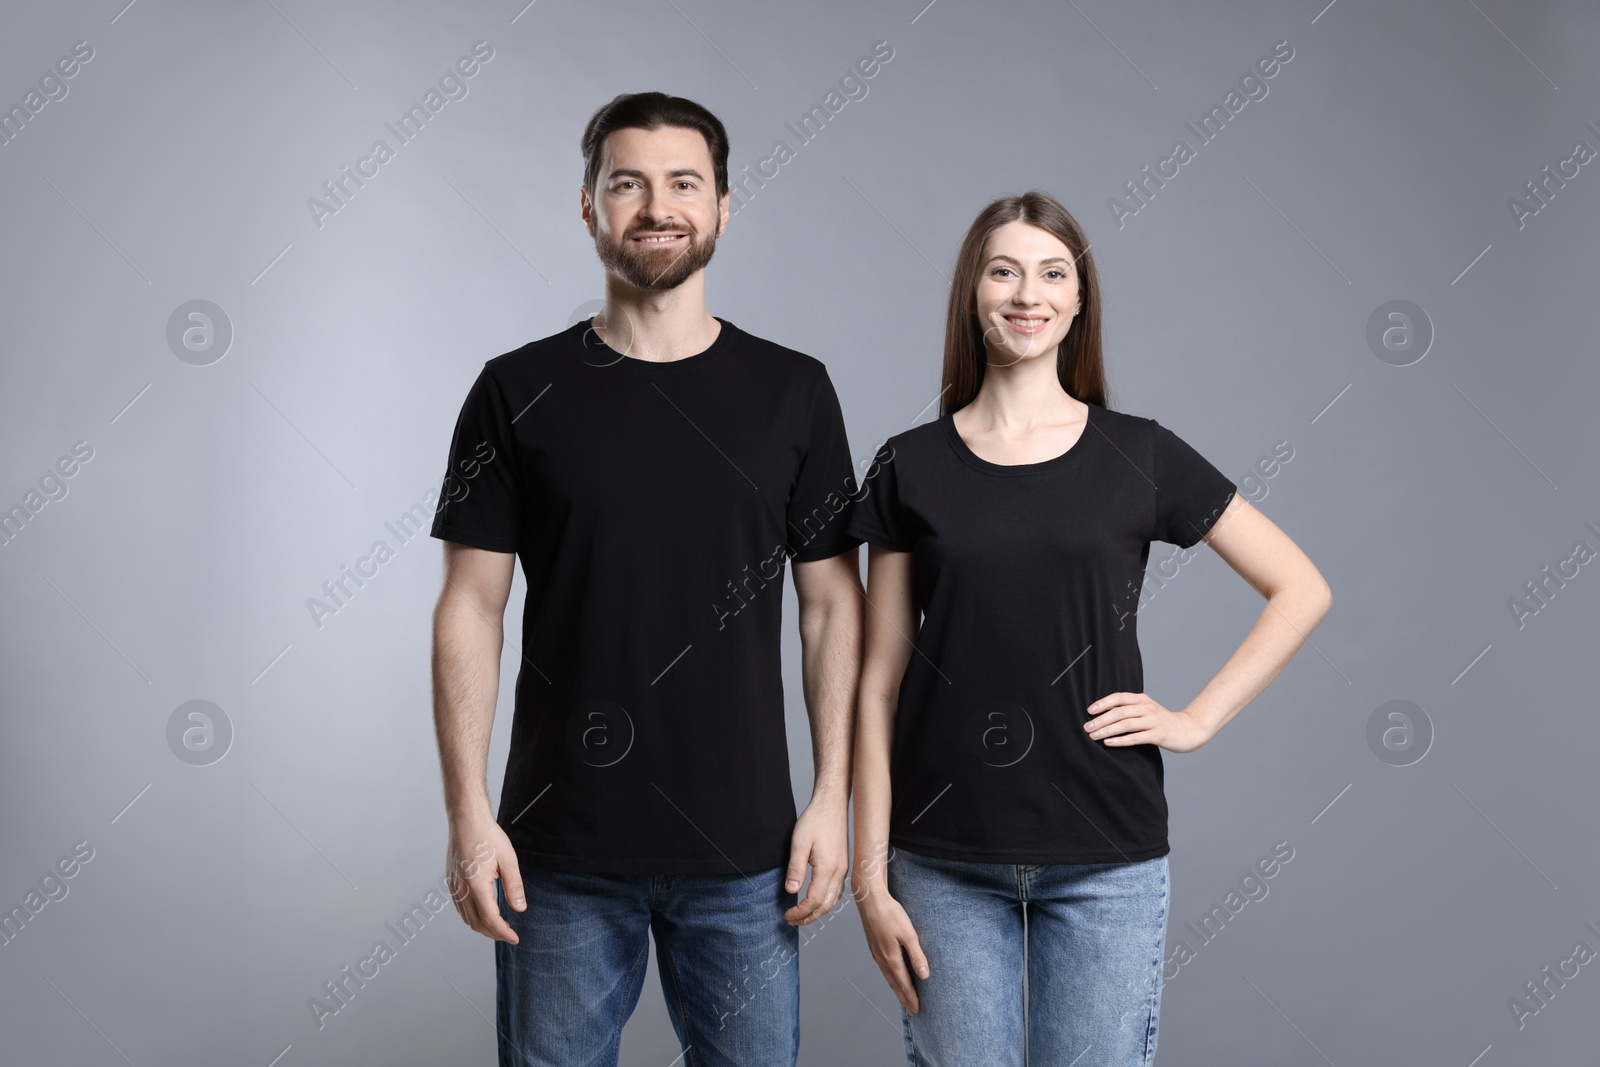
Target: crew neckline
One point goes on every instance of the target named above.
(596, 353)
(972, 459)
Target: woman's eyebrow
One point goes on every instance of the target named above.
(1042, 262)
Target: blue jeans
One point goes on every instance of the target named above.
(1087, 938)
(728, 961)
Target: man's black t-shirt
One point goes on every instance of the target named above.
(653, 507)
(1028, 578)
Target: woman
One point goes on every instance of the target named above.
(1027, 820)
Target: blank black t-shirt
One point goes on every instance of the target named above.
(1027, 578)
(653, 507)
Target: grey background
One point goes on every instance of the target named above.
(219, 498)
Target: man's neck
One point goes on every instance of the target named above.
(657, 326)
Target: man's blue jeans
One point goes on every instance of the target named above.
(728, 961)
(1093, 938)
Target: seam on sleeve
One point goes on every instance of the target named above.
(473, 539)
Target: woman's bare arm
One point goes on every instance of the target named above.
(891, 635)
(1297, 599)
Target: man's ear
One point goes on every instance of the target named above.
(722, 213)
(586, 210)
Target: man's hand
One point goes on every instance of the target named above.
(478, 853)
(822, 839)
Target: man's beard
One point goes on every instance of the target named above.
(644, 267)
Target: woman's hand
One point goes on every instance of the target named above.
(1134, 719)
(891, 938)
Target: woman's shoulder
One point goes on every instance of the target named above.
(917, 440)
(1125, 422)
(1132, 434)
(1130, 431)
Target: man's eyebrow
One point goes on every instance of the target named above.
(680, 172)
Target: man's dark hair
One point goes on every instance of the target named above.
(651, 111)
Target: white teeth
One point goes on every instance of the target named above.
(660, 240)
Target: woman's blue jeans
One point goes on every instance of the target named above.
(728, 960)
(1087, 938)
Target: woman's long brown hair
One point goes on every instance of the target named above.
(1079, 364)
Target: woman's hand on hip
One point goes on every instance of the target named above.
(1119, 719)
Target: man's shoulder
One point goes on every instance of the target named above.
(777, 356)
(534, 354)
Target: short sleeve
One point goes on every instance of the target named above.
(819, 505)
(478, 500)
(876, 517)
(1190, 493)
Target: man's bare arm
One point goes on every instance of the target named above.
(468, 637)
(830, 597)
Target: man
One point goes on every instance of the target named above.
(653, 468)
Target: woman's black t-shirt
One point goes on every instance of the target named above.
(1027, 578)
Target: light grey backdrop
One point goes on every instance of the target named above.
(1442, 859)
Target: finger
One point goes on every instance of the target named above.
(800, 914)
(810, 906)
(459, 891)
(919, 959)
(480, 905)
(1118, 723)
(490, 922)
(461, 897)
(796, 872)
(919, 963)
(469, 908)
(831, 882)
(834, 895)
(511, 882)
(835, 883)
(1106, 716)
(1111, 718)
(1144, 737)
(899, 979)
(912, 1002)
(1112, 700)
(819, 901)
